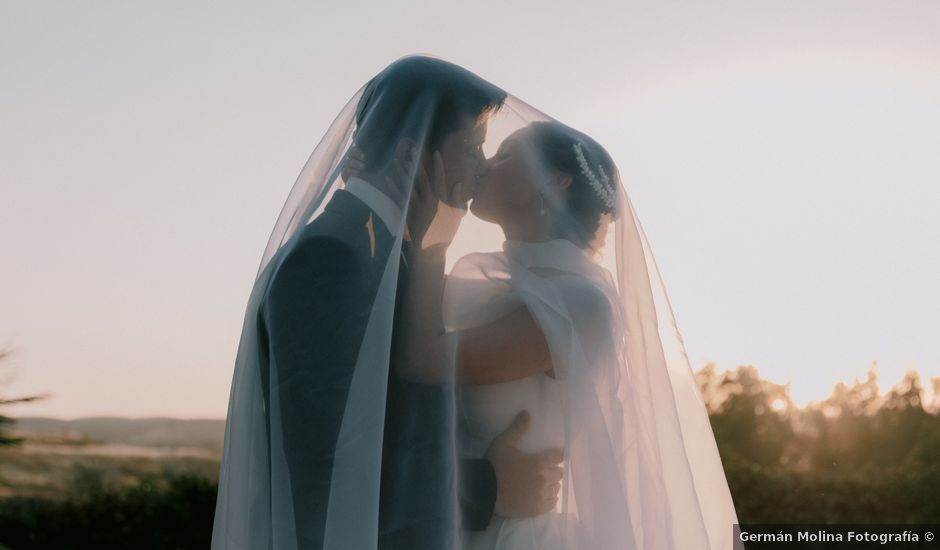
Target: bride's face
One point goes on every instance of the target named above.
(510, 185)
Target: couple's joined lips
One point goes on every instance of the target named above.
(475, 185)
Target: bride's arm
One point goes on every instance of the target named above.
(419, 345)
(515, 345)
(510, 348)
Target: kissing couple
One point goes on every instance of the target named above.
(458, 339)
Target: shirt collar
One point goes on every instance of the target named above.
(380, 203)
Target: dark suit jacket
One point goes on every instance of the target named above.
(312, 322)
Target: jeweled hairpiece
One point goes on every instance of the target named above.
(601, 186)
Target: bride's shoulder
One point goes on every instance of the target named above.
(480, 262)
(585, 298)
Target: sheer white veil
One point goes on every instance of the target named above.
(246, 504)
(642, 469)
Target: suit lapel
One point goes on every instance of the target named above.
(367, 226)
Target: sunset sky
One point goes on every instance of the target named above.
(784, 158)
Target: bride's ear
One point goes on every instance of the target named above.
(563, 181)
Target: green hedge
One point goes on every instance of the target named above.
(180, 515)
(144, 517)
(763, 495)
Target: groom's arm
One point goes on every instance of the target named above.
(477, 493)
(314, 330)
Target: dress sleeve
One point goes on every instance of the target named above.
(575, 317)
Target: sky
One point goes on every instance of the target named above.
(781, 155)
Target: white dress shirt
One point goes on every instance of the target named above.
(380, 203)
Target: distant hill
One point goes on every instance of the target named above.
(147, 432)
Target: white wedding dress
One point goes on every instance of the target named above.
(487, 410)
(548, 278)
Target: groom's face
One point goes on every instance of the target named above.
(464, 162)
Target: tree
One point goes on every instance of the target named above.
(5, 421)
(750, 416)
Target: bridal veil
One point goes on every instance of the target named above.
(642, 469)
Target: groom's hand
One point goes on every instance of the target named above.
(527, 485)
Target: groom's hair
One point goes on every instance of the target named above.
(420, 98)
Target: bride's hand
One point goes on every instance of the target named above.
(431, 220)
(422, 206)
(354, 163)
(527, 485)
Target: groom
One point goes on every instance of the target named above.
(315, 313)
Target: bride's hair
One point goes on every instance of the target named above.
(559, 146)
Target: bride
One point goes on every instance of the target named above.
(542, 328)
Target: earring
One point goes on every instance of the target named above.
(542, 201)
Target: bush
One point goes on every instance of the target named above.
(143, 517)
